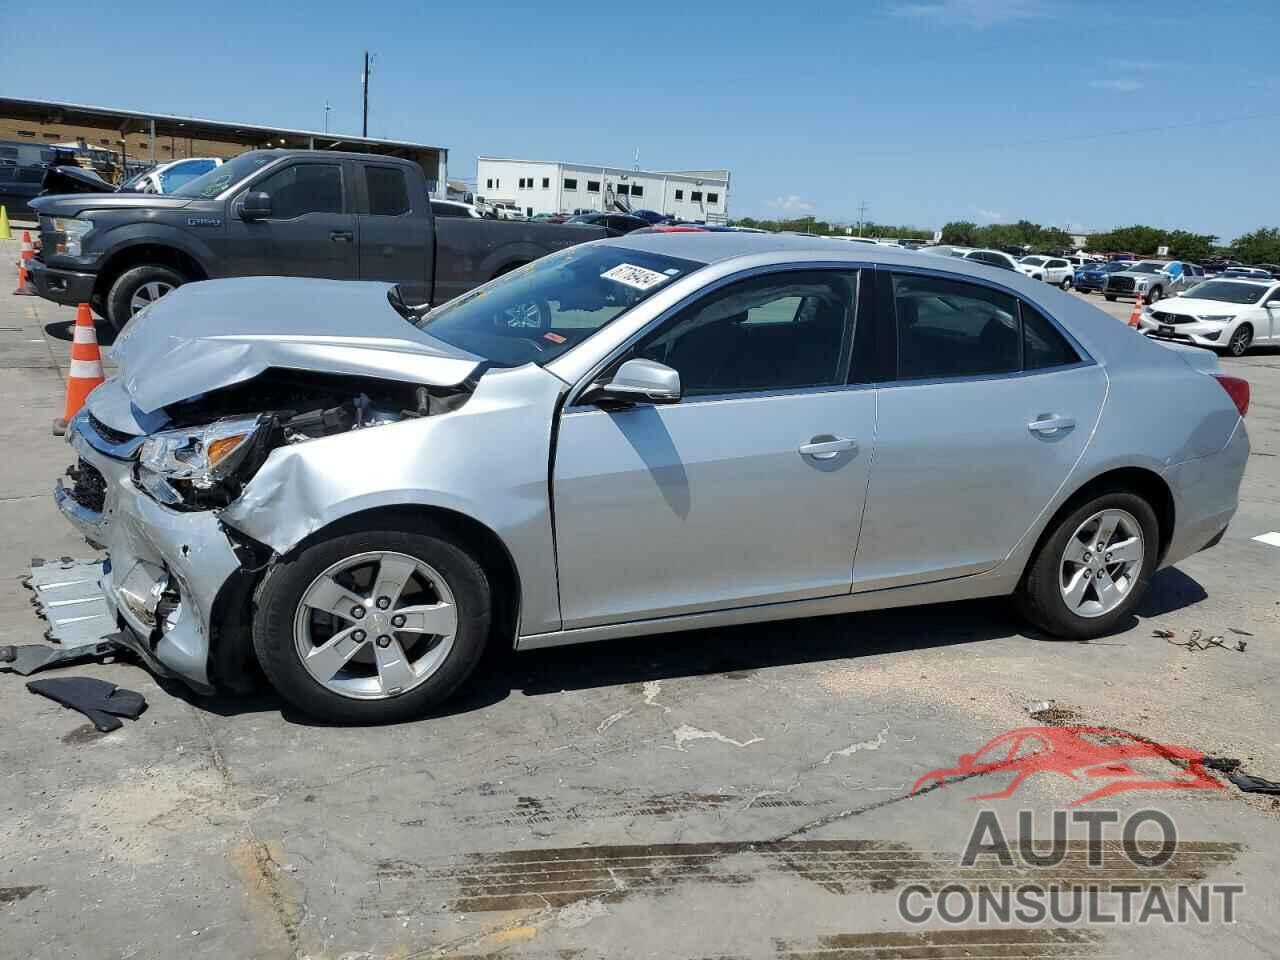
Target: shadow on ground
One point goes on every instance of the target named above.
(732, 652)
(62, 330)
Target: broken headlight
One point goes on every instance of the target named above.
(178, 467)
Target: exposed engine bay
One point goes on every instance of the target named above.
(215, 442)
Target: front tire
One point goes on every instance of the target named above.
(139, 287)
(374, 626)
(1089, 573)
(1154, 294)
(1240, 341)
(1066, 283)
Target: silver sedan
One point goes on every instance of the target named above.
(634, 436)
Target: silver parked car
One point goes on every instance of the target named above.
(632, 436)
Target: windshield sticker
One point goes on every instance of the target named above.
(633, 276)
(554, 337)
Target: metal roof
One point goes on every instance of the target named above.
(170, 125)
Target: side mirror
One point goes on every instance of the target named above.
(256, 205)
(639, 381)
(1273, 304)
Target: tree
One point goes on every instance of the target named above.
(1189, 246)
(1136, 239)
(960, 233)
(1261, 246)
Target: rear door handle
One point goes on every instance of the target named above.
(341, 236)
(825, 449)
(1050, 423)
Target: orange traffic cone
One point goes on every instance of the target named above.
(86, 368)
(24, 288)
(1135, 318)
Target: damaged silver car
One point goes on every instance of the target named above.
(630, 437)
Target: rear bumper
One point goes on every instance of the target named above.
(1206, 494)
(61, 286)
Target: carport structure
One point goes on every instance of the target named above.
(158, 137)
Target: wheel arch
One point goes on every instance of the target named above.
(138, 254)
(1139, 480)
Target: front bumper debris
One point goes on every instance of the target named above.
(164, 569)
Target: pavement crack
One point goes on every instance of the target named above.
(853, 748)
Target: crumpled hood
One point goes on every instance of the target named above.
(209, 335)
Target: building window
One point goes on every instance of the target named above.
(622, 190)
(593, 186)
(696, 196)
(570, 184)
(546, 183)
(679, 194)
(637, 190)
(489, 184)
(713, 198)
(497, 184)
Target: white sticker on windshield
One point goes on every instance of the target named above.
(633, 276)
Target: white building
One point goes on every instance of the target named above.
(552, 186)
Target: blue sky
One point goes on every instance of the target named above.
(929, 110)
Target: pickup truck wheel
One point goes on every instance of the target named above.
(1154, 294)
(374, 626)
(137, 288)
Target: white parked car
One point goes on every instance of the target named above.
(1221, 314)
(168, 177)
(1055, 270)
(454, 208)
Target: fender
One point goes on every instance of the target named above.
(488, 461)
(151, 233)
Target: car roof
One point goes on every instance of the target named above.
(712, 246)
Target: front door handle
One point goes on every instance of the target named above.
(341, 236)
(825, 448)
(1050, 423)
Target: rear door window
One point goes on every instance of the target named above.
(948, 328)
(388, 191)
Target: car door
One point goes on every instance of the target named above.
(747, 491)
(990, 410)
(310, 231)
(1271, 311)
(395, 241)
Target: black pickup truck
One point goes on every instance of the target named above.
(296, 213)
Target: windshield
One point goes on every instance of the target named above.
(1033, 261)
(1113, 267)
(1146, 267)
(536, 313)
(1227, 292)
(219, 178)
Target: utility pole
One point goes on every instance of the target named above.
(326, 116)
(862, 216)
(364, 80)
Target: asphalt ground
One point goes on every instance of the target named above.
(735, 793)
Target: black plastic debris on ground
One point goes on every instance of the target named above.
(1246, 783)
(30, 658)
(100, 701)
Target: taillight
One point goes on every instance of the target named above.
(1237, 389)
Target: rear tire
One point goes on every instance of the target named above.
(1066, 283)
(131, 289)
(356, 692)
(1043, 595)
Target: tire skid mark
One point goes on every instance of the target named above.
(557, 877)
(530, 811)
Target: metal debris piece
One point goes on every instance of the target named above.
(30, 658)
(1250, 784)
(1198, 641)
(67, 595)
(1163, 634)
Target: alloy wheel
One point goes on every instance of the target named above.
(1240, 341)
(375, 625)
(148, 294)
(1101, 563)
